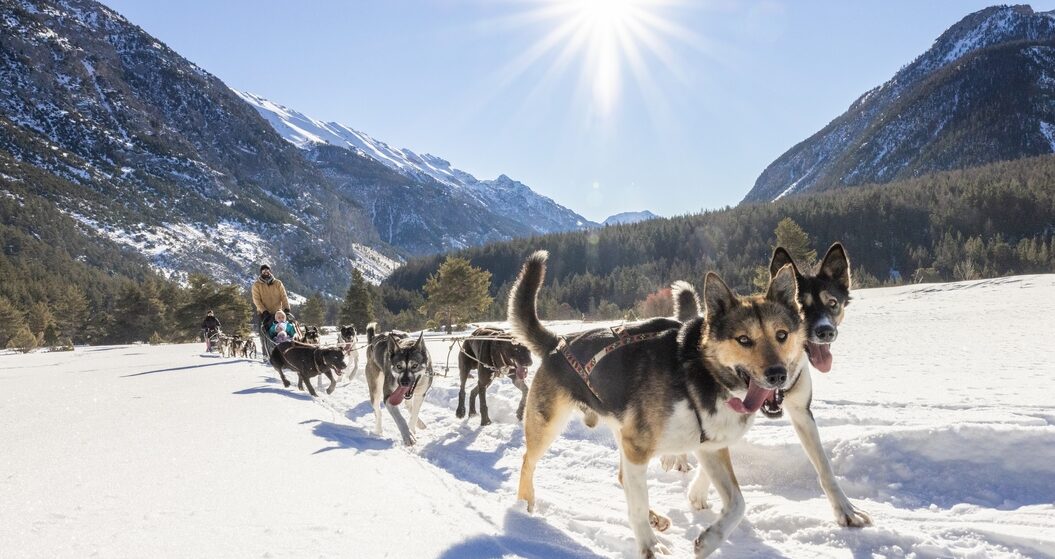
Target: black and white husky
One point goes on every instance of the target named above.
(823, 293)
(398, 369)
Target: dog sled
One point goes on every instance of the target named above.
(267, 343)
(213, 341)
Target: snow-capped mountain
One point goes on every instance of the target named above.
(144, 149)
(502, 196)
(629, 217)
(137, 149)
(984, 92)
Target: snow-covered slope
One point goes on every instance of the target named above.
(502, 196)
(982, 93)
(937, 417)
(103, 122)
(629, 217)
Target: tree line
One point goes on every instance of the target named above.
(987, 221)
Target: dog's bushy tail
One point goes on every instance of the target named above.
(522, 314)
(371, 332)
(686, 301)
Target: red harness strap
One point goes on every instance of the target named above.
(622, 339)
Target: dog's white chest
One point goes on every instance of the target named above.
(681, 433)
(725, 426)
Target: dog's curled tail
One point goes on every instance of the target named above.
(371, 332)
(686, 301)
(522, 314)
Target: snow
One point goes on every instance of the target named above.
(1048, 130)
(937, 417)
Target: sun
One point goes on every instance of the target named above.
(609, 41)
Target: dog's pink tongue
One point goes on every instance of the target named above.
(521, 373)
(820, 356)
(396, 397)
(754, 399)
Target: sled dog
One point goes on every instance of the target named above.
(666, 388)
(347, 338)
(824, 293)
(307, 362)
(495, 356)
(398, 368)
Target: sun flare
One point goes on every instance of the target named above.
(608, 40)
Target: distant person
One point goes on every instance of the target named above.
(281, 330)
(209, 326)
(269, 296)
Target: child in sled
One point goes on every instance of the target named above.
(281, 330)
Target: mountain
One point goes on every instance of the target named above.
(147, 151)
(509, 206)
(138, 151)
(629, 217)
(984, 92)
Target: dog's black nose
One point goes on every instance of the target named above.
(776, 375)
(826, 333)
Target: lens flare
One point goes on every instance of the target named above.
(609, 41)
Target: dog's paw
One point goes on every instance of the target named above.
(698, 500)
(852, 517)
(286, 383)
(708, 542)
(653, 548)
(677, 463)
(459, 413)
(485, 422)
(410, 440)
(658, 521)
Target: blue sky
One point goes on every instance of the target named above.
(727, 87)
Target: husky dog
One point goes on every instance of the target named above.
(311, 335)
(308, 362)
(249, 348)
(497, 355)
(671, 388)
(397, 368)
(824, 293)
(347, 339)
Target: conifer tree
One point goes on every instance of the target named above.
(11, 319)
(313, 311)
(797, 242)
(457, 292)
(23, 340)
(357, 309)
(71, 313)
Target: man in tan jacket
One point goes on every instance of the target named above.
(269, 295)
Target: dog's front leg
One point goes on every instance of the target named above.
(404, 429)
(636, 490)
(719, 468)
(415, 413)
(333, 381)
(806, 428)
(307, 381)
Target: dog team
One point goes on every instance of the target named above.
(665, 387)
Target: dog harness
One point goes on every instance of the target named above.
(584, 370)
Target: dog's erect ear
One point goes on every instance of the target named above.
(784, 288)
(836, 266)
(718, 299)
(421, 340)
(781, 258)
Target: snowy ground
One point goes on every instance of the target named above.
(938, 416)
